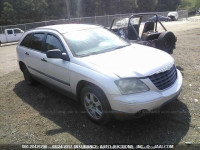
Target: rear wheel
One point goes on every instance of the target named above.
(27, 76)
(166, 42)
(96, 105)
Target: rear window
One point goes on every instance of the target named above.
(36, 41)
(26, 41)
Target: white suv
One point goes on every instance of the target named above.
(105, 73)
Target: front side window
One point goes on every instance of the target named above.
(53, 42)
(93, 41)
(36, 41)
(16, 31)
(26, 41)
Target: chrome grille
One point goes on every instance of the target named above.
(165, 79)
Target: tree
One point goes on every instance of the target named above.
(88, 8)
(8, 12)
(168, 5)
(39, 9)
(127, 6)
(25, 11)
(146, 5)
(99, 8)
(29, 10)
(57, 9)
(191, 5)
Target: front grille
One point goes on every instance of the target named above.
(165, 79)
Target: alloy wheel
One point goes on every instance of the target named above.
(93, 106)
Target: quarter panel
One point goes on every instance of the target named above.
(3, 38)
(20, 54)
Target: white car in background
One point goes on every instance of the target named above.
(98, 68)
(11, 35)
(173, 15)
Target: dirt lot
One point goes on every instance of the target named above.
(39, 115)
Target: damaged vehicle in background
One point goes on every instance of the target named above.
(99, 69)
(160, 18)
(173, 15)
(129, 29)
(198, 12)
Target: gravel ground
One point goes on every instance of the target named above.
(39, 115)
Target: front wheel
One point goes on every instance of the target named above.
(96, 105)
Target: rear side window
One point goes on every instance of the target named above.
(36, 41)
(26, 41)
(10, 31)
(53, 42)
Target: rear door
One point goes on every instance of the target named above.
(34, 55)
(24, 48)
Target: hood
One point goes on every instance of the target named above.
(131, 61)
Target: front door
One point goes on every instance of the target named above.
(17, 34)
(57, 70)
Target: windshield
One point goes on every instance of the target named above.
(93, 41)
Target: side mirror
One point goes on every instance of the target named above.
(56, 53)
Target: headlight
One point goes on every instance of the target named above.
(131, 86)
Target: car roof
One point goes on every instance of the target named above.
(173, 12)
(65, 28)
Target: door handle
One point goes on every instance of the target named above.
(27, 53)
(43, 59)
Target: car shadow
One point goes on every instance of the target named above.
(166, 127)
(181, 69)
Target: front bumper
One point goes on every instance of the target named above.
(148, 101)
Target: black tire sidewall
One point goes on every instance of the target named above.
(27, 76)
(163, 38)
(104, 102)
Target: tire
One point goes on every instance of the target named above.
(166, 42)
(95, 104)
(0, 43)
(27, 76)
